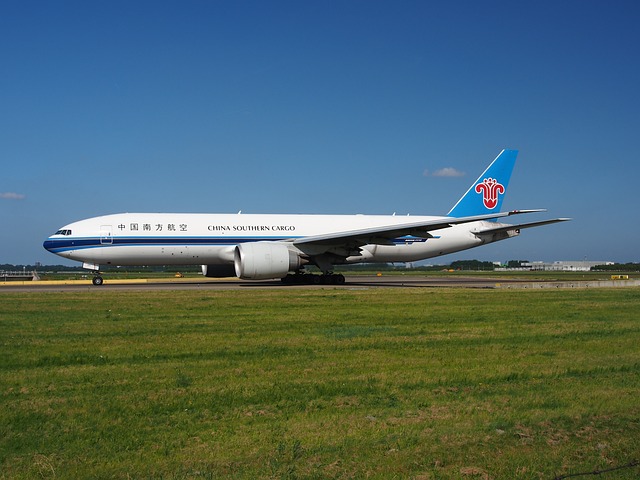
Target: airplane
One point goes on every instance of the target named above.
(271, 246)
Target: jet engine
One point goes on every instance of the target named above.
(264, 260)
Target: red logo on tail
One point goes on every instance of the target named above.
(490, 189)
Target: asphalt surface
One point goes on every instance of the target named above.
(352, 282)
(391, 281)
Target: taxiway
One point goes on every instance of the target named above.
(353, 281)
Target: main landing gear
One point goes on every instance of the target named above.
(97, 279)
(312, 279)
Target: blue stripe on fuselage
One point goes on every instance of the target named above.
(81, 243)
(65, 244)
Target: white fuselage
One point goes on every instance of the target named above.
(180, 239)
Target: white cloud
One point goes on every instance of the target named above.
(12, 196)
(445, 172)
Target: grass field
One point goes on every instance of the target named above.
(320, 383)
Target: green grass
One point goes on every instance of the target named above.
(326, 383)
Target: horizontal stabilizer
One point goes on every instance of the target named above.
(507, 228)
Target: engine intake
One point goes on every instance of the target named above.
(264, 260)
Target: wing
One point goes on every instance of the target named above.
(385, 234)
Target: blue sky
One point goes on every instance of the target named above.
(321, 107)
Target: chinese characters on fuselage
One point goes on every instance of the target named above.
(154, 227)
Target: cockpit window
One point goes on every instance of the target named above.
(63, 232)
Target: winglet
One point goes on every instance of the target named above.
(485, 195)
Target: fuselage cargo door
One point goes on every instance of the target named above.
(106, 236)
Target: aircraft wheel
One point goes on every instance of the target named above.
(339, 279)
(97, 280)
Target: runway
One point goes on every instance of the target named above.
(352, 282)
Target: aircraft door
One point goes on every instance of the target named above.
(106, 236)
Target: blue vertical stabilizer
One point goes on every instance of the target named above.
(485, 195)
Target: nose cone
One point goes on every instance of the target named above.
(48, 244)
(57, 244)
(52, 245)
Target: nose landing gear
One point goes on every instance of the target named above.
(95, 269)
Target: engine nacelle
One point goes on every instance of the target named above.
(219, 270)
(264, 260)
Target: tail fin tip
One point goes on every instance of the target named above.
(485, 195)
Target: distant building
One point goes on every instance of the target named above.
(560, 266)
